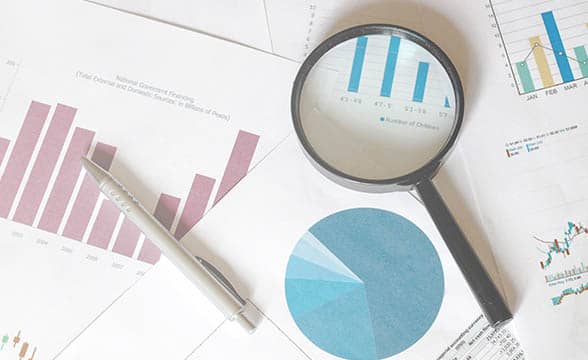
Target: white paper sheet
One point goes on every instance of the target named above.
(173, 102)
(236, 20)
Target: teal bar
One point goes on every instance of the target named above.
(525, 76)
(582, 59)
(357, 66)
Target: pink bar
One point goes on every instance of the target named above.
(44, 164)
(195, 204)
(104, 225)
(165, 212)
(238, 164)
(166, 209)
(3, 147)
(21, 155)
(103, 155)
(88, 195)
(149, 252)
(127, 238)
(66, 180)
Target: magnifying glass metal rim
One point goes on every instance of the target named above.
(376, 185)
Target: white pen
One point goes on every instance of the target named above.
(206, 278)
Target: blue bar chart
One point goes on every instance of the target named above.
(385, 66)
(545, 42)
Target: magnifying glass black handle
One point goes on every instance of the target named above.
(491, 301)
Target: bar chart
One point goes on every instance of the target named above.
(392, 68)
(43, 186)
(546, 42)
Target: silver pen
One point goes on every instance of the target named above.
(206, 278)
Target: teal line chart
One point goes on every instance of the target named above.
(569, 292)
(342, 295)
(560, 247)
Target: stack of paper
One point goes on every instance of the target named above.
(181, 118)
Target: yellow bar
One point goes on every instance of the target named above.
(541, 60)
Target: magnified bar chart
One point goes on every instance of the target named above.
(391, 68)
(545, 41)
(81, 211)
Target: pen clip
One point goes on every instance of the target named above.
(221, 279)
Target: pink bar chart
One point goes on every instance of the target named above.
(60, 148)
(21, 155)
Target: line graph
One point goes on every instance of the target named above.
(560, 247)
(569, 292)
(545, 42)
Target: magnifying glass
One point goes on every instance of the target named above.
(377, 108)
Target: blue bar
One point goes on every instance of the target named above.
(557, 45)
(390, 68)
(357, 64)
(421, 82)
(447, 102)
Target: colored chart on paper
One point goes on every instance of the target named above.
(61, 136)
(364, 284)
(390, 69)
(561, 247)
(546, 41)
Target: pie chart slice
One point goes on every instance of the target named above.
(311, 250)
(364, 284)
(351, 342)
(302, 269)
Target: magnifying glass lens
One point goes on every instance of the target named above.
(378, 107)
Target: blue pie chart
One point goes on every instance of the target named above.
(364, 283)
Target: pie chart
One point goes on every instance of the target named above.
(364, 283)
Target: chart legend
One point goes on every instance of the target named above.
(18, 155)
(545, 41)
